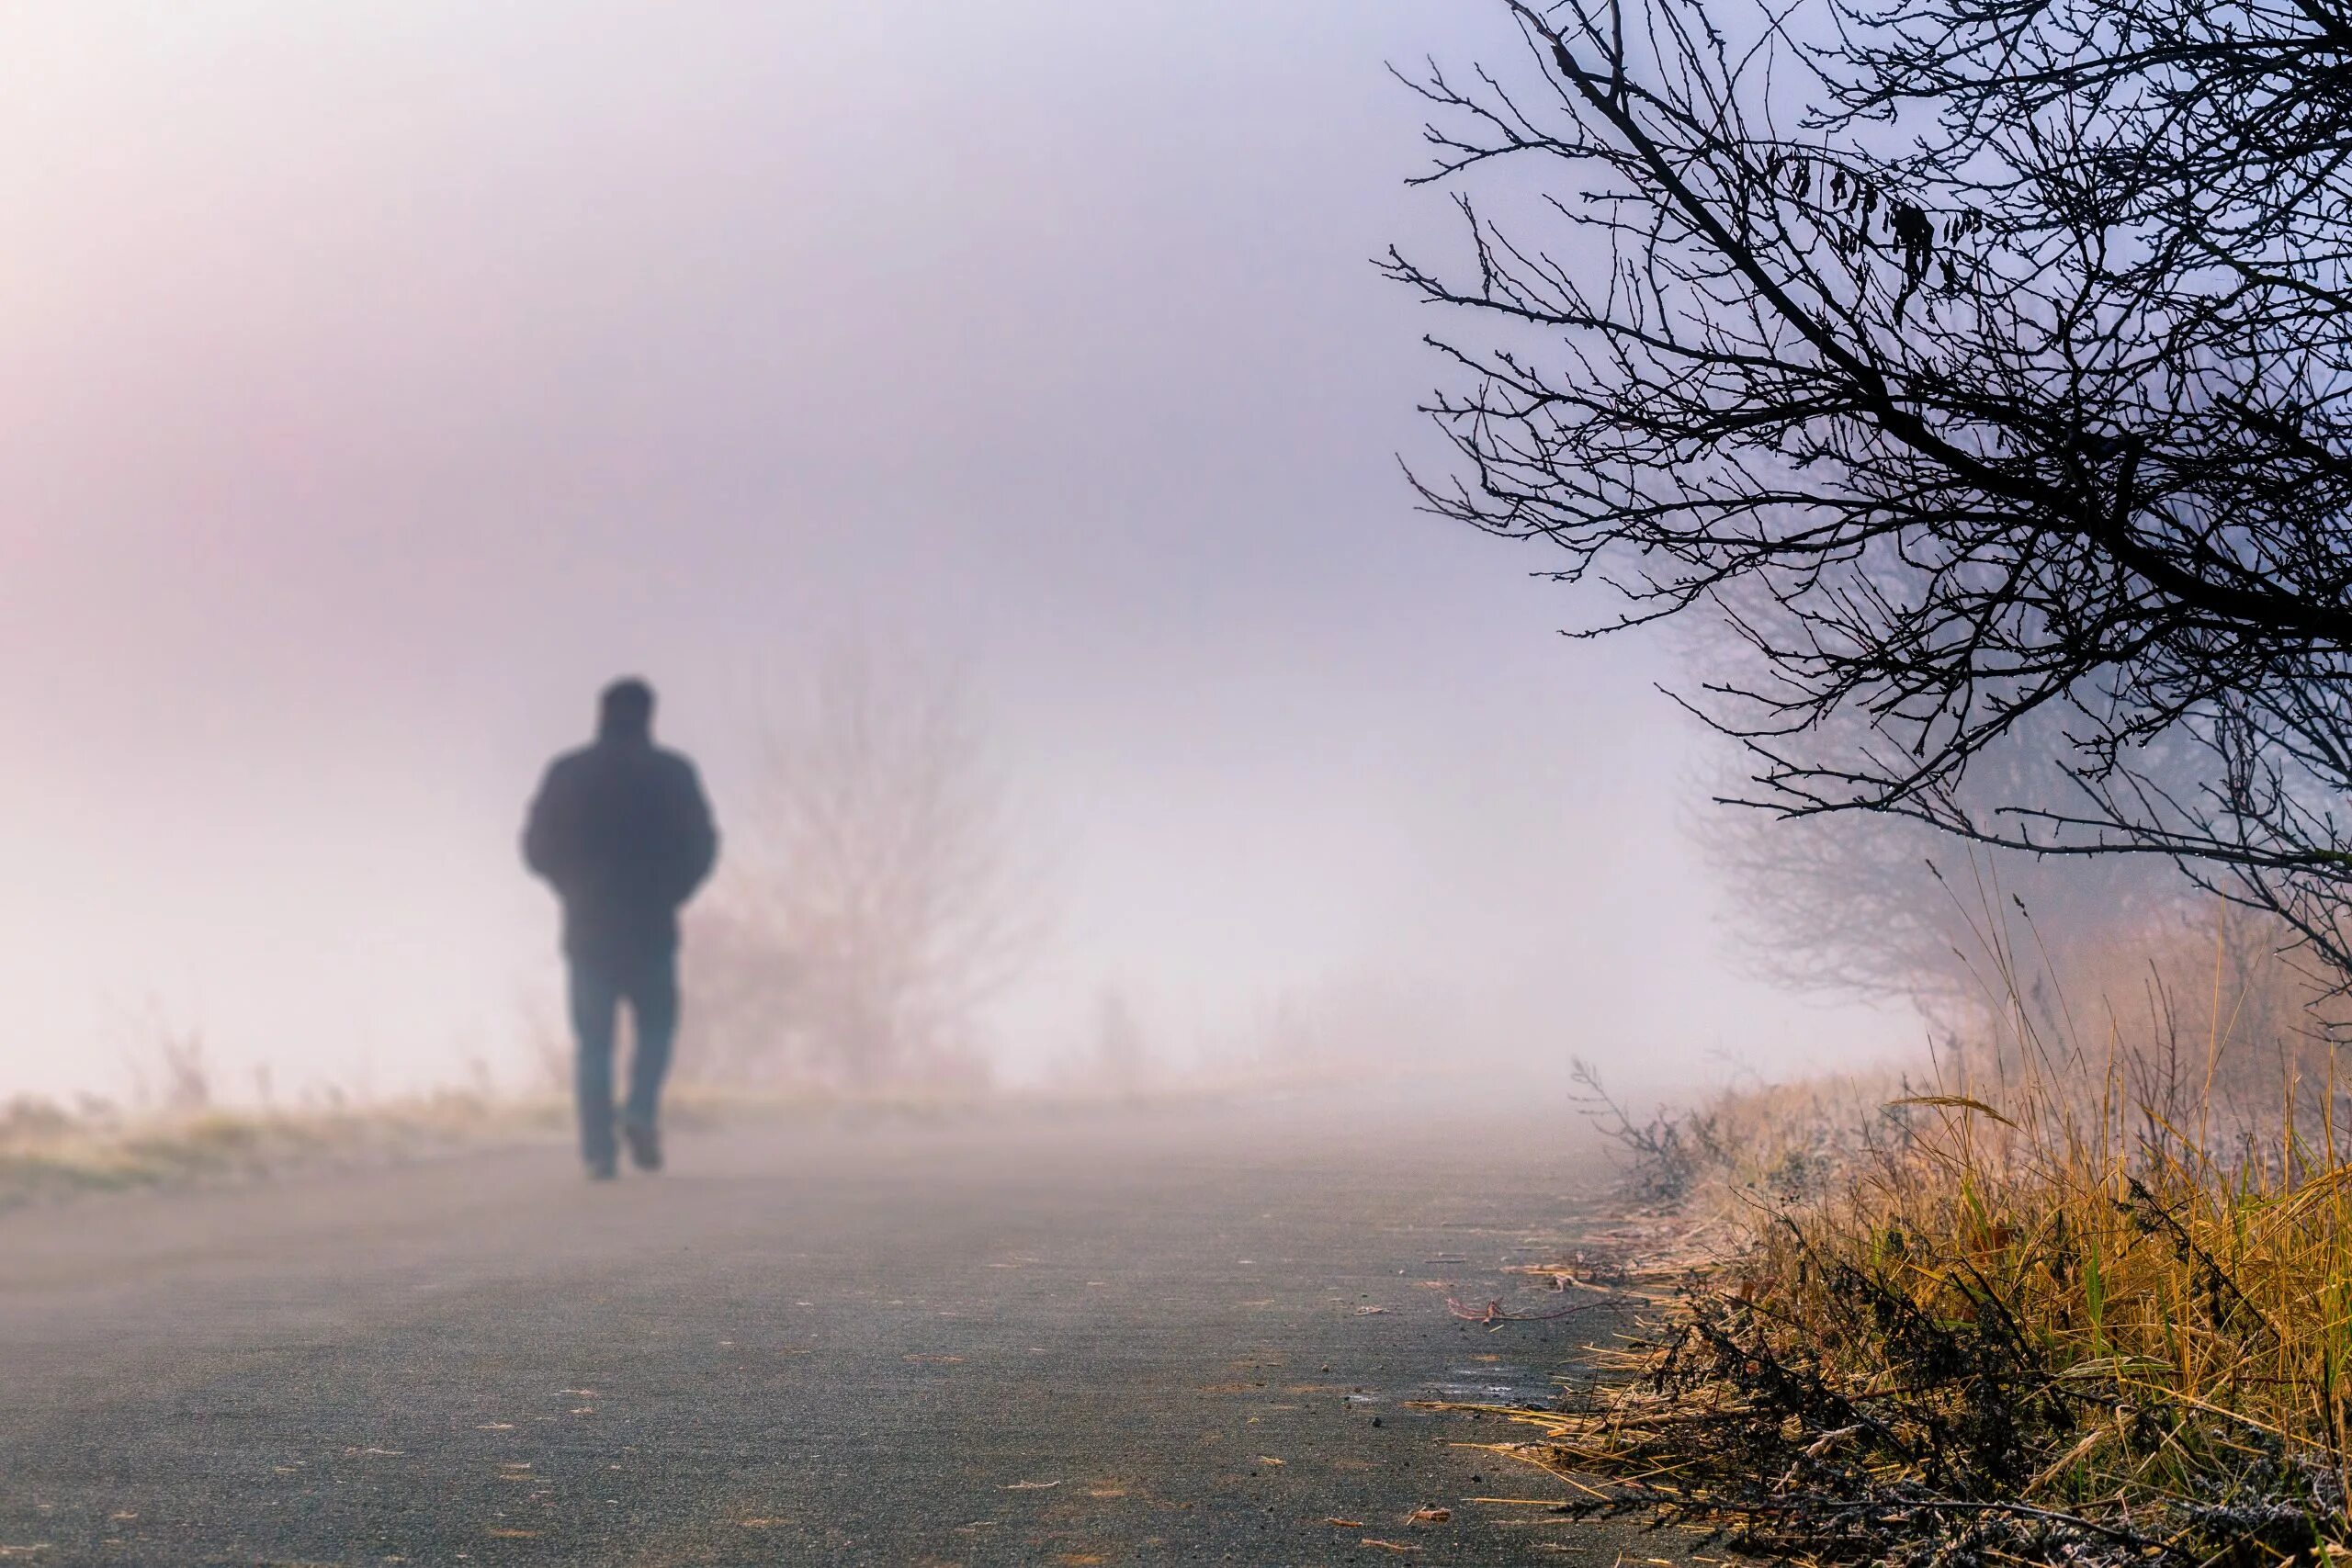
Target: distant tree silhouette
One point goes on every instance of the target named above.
(1983, 362)
(1885, 907)
(878, 893)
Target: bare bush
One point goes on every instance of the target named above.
(877, 895)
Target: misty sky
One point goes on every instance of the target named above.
(382, 377)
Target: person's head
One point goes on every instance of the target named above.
(626, 710)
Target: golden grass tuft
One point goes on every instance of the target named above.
(2048, 1308)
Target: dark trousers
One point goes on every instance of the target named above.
(649, 983)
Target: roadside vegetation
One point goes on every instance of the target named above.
(49, 1151)
(185, 1135)
(2064, 1298)
(1973, 379)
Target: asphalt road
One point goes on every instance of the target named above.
(1134, 1338)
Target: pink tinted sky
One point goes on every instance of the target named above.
(381, 377)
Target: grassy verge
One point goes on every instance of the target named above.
(47, 1152)
(2046, 1320)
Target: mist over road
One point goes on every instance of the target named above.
(1135, 1337)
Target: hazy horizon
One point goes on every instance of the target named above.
(386, 378)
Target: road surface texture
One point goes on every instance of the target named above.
(1180, 1336)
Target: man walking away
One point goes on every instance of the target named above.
(622, 831)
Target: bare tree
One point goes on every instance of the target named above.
(1883, 905)
(1983, 362)
(2096, 959)
(1119, 1060)
(877, 893)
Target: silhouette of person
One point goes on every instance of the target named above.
(622, 831)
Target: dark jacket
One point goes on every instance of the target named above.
(623, 832)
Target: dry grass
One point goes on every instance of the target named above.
(2052, 1308)
(48, 1153)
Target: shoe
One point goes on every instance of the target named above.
(644, 1144)
(603, 1170)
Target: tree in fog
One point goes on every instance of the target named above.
(1118, 1058)
(1982, 364)
(1883, 905)
(881, 893)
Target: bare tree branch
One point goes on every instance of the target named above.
(2003, 390)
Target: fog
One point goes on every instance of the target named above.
(381, 379)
